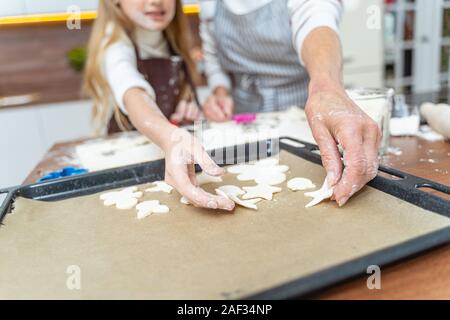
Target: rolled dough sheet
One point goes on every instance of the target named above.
(195, 253)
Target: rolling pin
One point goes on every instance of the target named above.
(438, 117)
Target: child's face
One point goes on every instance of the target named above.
(154, 15)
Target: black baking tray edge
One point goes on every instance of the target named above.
(405, 187)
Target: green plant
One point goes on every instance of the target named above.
(77, 58)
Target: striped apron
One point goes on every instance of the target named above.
(257, 52)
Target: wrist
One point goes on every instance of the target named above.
(325, 83)
(166, 135)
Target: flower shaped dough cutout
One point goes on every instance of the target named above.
(266, 171)
(124, 199)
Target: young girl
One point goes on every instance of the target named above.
(139, 62)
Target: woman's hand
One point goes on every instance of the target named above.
(335, 119)
(183, 151)
(219, 105)
(186, 112)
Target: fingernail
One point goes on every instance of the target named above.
(230, 207)
(212, 204)
(342, 201)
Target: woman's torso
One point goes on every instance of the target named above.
(256, 50)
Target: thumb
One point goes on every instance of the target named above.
(207, 164)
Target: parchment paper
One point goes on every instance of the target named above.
(195, 253)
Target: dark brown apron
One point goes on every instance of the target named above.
(166, 76)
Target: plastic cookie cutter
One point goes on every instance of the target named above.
(65, 172)
(244, 118)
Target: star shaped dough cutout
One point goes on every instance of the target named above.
(318, 196)
(260, 191)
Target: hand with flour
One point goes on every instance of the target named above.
(183, 151)
(336, 120)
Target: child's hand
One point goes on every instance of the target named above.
(185, 112)
(219, 106)
(183, 151)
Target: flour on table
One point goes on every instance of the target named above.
(146, 208)
(204, 178)
(319, 195)
(160, 186)
(263, 191)
(296, 184)
(124, 199)
(233, 193)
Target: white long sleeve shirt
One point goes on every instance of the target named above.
(304, 15)
(120, 64)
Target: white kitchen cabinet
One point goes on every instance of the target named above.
(362, 43)
(21, 144)
(27, 133)
(65, 121)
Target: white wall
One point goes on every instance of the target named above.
(20, 7)
(27, 133)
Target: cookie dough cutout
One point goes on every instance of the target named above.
(239, 168)
(319, 195)
(270, 178)
(146, 208)
(267, 162)
(232, 193)
(297, 184)
(263, 191)
(204, 178)
(267, 171)
(124, 199)
(126, 203)
(161, 186)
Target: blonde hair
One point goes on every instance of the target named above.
(111, 19)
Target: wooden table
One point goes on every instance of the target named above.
(425, 276)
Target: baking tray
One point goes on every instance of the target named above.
(406, 187)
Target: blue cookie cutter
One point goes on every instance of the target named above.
(65, 172)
